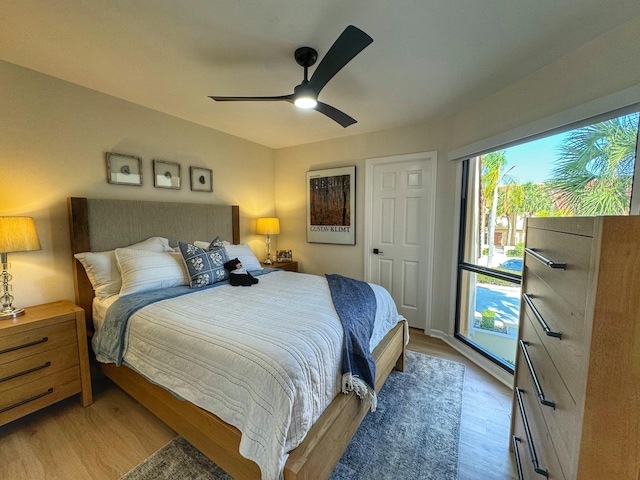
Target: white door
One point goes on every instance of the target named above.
(399, 231)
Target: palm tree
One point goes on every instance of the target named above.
(537, 200)
(492, 164)
(595, 172)
(511, 202)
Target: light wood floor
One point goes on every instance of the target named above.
(115, 433)
(486, 415)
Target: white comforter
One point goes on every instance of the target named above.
(265, 359)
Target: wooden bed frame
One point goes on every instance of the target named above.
(98, 225)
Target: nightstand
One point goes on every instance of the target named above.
(288, 266)
(43, 359)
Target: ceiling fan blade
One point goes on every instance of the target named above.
(349, 44)
(335, 114)
(252, 99)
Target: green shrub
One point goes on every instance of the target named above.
(518, 251)
(488, 319)
(485, 251)
(487, 280)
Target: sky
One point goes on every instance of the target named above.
(533, 161)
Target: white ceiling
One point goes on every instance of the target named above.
(428, 56)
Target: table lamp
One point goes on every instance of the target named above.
(268, 226)
(17, 234)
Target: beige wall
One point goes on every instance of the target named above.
(53, 139)
(606, 65)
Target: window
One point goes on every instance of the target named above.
(583, 172)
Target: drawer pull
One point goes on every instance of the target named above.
(515, 440)
(527, 432)
(543, 324)
(31, 370)
(543, 401)
(545, 260)
(25, 345)
(27, 400)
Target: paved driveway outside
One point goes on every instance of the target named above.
(505, 301)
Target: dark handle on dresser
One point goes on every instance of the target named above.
(25, 345)
(27, 400)
(527, 432)
(543, 401)
(515, 440)
(31, 370)
(545, 260)
(543, 324)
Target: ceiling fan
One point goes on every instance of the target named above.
(349, 44)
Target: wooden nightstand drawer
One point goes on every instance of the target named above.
(287, 266)
(37, 366)
(31, 342)
(33, 396)
(43, 359)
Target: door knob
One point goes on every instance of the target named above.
(377, 252)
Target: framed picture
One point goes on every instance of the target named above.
(201, 179)
(124, 169)
(283, 256)
(166, 175)
(331, 206)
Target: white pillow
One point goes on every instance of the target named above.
(205, 245)
(243, 253)
(102, 268)
(142, 270)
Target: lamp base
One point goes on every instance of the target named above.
(11, 313)
(268, 261)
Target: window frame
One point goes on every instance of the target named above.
(461, 265)
(479, 269)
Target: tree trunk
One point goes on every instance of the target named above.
(492, 225)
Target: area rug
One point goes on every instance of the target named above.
(413, 434)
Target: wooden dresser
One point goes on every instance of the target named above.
(576, 410)
(43, 359)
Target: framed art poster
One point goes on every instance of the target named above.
(166, 175)
(124, 169)
(201, 179)
(331, 206)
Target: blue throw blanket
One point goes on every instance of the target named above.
(356, 305)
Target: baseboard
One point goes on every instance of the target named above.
(487, 365)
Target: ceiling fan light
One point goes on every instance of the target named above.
(305, 102)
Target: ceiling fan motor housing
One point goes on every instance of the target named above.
(306, 56)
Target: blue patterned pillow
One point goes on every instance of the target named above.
(216, 242)
(205, 266)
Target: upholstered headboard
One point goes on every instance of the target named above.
(98, 225)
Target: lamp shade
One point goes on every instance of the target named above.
(18, 234)
(268, 226)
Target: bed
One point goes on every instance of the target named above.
(102, 225)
